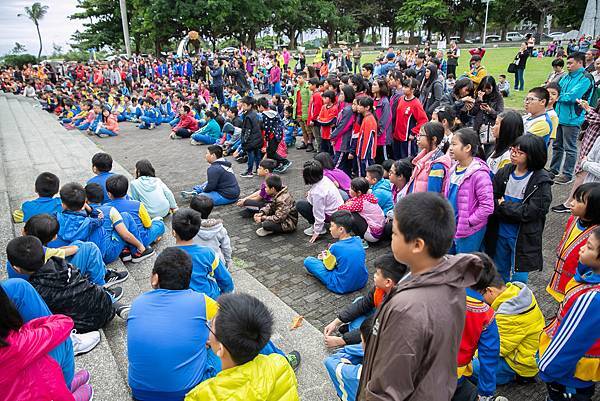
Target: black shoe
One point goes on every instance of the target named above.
(242, 159)
(301, 146)
(138, 257)
(525, 380)
(247, 174)
(560, 209)
(125, 255)
(113, 277)
(344, 328)
(294, 359)
(122, 310)
(563, 180)
(115, 293)
(310, 147)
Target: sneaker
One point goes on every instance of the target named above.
(301, 146)
(294, 359)
(310, 147)
(560, 209)
(283, 168)
(247, 174)
(309, 231)
(83, 343)
(113, 277)
(125, 255)
(188, 194)
(242, 159)
(195, 143)
(261, 232)
(152, 126)
(563, 180)
(522, 380)
(500, 398)
(365, 244)
(82, 377)
(84, 393)
(122, 310)
(115, 293)
(138, 257)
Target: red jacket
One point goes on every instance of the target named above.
(327, 119)
(28, 372)
(112, 124)
(410, 116)
(366, 145)
(187, 121)
(479, 315)
(314, 105)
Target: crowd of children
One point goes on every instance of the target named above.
(456, 182)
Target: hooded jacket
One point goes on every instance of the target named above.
(282, 210)
(154, 194)
(412, 351)
(265, 378)
(422, 172)
(530, 215)
(341, 135)
(28, 372)
(214, 235)
(573, 86)
(67, 292)
(221, 179)
(475, 199)
(382, 190)
(251, 134)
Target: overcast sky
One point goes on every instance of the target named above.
(55, 27)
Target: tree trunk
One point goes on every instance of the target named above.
(394, 31)
(540, 27)
(293, 37)
(37, 26)
(330, 35)
(361, 36)
(373, 36)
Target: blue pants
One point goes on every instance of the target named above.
(469, 244)
(403, 149)
(205, 139)
(152, 233)
(362, 166)
(254, 157)
(88, 259)
(504, 257)
(504, 373)
(316, 267)
(217, 198)
(66, 120)
(121, 117)
(146, 121)
(275, 88)
(31, 306)
(104, 131)
(167, 119)
(519, 81)
(565, 142)
(83, 126)
(174, 122)
(113, 244)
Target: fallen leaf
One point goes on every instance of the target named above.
(296, 322)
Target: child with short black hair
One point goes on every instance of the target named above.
(241, 328)
(388, 272)
(341, 267)
(46, 186)
(380, 187)
(279, 215)
(209, 275)
(221, 184)
(102, 164)
(212, 233)
(150, 229)
(260, 198)
(368, 217)
(419, 325)
(387, 166)
(273, 128)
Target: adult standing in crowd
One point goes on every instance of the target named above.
(453, 55)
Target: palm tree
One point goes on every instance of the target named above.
(35, 13)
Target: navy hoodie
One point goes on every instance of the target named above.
(220, 178)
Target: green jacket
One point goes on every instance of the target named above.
(305, 96)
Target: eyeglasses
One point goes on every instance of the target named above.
(516, 151)
(210, 328)
(531, 99)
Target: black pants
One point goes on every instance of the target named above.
(465, 391)
(326, 146)
(272, 146)
(382, 153)
(183, 133)
(451, 69)
(359, 225)
(557, 392)
(274, 227)
(305, 210)
(219, 93)
(251, 207)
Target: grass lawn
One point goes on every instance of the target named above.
(496, 61)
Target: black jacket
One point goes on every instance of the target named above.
(363, 306)
(529, 214)
(67, 292)
(251, 134)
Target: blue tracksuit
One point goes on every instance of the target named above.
(148, 229)
(40, 205)
(344, 368)
(209, 275)
(100, 179)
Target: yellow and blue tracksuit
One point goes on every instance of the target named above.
(148, 228)
(209, 274)
(344, 368)
(41, 205)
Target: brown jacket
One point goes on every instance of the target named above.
(282, 210)
(411, 353)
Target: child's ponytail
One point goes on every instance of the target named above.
(468, 136)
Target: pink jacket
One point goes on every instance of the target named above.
(475, 200)
(28, 373)
(423, 163)
(366, 205)
(112, 124)
(90, 117)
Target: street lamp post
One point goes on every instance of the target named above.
(123, 5)
(487, 9)
(273, 31)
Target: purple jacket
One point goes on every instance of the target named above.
(475, 199)
(339, 176)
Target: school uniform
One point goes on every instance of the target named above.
(209, 274)
(150, 229)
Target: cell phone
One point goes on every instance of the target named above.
(483, 104)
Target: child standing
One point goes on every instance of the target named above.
(252, 139)
(272, 126)
(508, 127)
(212, 233)
(570, 344)
(326, 120)
(366, 143)
(342, 267)
(341, 137)
(46, 186)
(279, 215)
(469, 191)
(522, 194)
(151, 191)
(585, 218)
(314, 107)
(410, 116)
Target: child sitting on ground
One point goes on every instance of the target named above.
(46, 186)
(62, 286)
(150, 229)
(570, 344)
(368, 218)
(221, 184)
(344, 367)
(380, 187)
(109, 126)
(212, 233)
(241, 328)
(101, 166)
(151, 191)
(260, 198)
(388, 272)
(342, 267)
(186, 125)
(279, 215)
(209, 275)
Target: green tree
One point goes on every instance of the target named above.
(102, 24)
(18, 49)
(35, 13)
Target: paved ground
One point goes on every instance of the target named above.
(276, 261)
